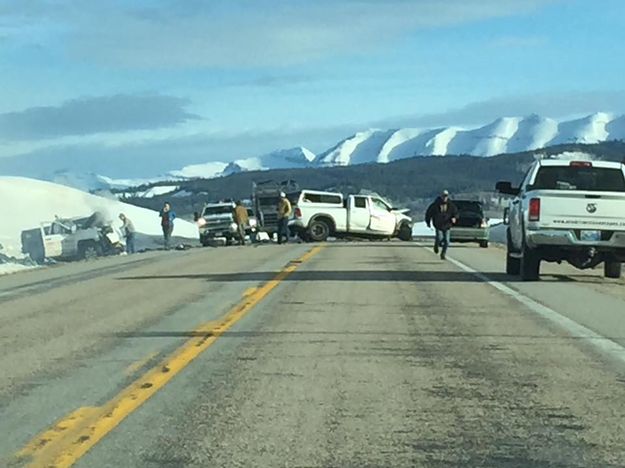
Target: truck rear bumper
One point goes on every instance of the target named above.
(570, 238)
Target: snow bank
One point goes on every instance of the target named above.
(8, 268)
(28, 202)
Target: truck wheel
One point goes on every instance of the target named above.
(513, 264)
(530, 264)
(612, 269)
(89, 251)
(405, 232)
(484, 244)
(319, 230)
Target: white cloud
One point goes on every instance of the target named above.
(247, 33)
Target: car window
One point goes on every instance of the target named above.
(593, 179)
(360, 202)
(323, 198)
(379, 204)
(217, 210)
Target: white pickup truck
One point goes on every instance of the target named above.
(319, 215)
(570, 211)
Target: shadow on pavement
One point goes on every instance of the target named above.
(373, 334)
(338, 275)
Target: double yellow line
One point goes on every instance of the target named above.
(70, 438)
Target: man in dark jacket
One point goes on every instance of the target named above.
(443, 213)
(167, 216)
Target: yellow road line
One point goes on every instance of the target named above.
(73, 436)
(138, 365)
(249, 291)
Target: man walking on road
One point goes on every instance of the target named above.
(167, 223)
(443, 213)
(284, 213)
(242, 219)
(128, 229)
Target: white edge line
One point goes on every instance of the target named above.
(601, 343)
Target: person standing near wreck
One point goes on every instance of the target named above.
(167, 216)
(128, 228)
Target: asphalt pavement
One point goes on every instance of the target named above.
(347, 354)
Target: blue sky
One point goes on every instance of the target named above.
(222, 79)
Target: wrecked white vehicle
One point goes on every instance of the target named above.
(71, 239)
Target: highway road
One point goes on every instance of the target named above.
(343, 354)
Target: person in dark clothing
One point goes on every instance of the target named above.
(443, 214)
(167, 216)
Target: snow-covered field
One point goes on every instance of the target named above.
(28, 202)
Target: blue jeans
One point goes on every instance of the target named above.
(443, 239)
(283, 230)
(130, 243)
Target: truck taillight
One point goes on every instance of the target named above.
(534, 211)
(580, 164)
(298, 213)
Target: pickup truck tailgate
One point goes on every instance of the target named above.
(581, 210)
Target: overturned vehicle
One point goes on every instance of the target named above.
(72, 239)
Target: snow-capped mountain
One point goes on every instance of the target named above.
(504, 135)
(281, 159)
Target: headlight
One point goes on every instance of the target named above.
(234, 227)
(252, 223)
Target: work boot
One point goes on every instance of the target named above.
(443, 256)
(436, 248)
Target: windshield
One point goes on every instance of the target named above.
(217, 210)
(591, 179)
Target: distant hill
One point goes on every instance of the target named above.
(402, 181)
(505, 135)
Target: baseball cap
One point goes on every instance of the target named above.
(282, 194)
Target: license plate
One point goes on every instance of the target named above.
(590, 236)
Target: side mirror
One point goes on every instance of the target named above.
(506, 216)
(507, 188)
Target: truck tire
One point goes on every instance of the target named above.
(513, 264)
(89, 250)
(484, 244)
(405, 232)
(319, 230)
(530, 264)
(612, 269)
